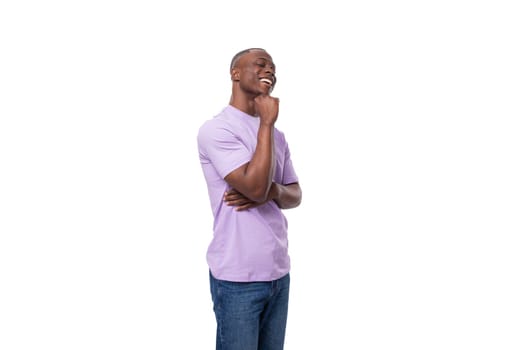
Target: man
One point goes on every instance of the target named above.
(250, 179)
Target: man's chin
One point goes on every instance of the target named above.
(265, 90)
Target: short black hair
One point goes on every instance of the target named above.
(241, 53)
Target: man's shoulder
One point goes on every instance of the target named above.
(218, 124)
(215, 123)
(279, 134)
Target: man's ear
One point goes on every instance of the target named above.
(235, 74)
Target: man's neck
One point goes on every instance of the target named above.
(244, 104)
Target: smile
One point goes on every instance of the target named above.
(266, 81)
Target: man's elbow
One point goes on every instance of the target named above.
(292, 204)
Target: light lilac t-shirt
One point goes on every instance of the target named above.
(249, 245)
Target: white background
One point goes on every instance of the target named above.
(405, 122)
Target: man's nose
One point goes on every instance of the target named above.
(269, 69)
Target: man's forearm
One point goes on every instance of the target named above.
(260, 169)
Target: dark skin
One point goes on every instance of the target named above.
(253, 78)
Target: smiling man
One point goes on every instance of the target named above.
(250, 177)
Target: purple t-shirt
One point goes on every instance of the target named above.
(249, 245)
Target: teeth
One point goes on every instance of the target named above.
(267, 81)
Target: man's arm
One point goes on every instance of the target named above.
(285, 196)
(254, 179)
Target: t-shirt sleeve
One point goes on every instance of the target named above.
(220, 147)
(289, 175)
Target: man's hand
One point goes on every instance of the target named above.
(236, 199)
(267, 108)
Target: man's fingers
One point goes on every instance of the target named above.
(237, 201)
(233, 198)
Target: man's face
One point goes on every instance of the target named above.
(255, 72)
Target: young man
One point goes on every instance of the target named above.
(250, 178)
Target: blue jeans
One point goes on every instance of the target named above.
(250, 315)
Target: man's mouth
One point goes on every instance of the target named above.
(266, 81)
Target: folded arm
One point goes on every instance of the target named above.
(285, 196)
